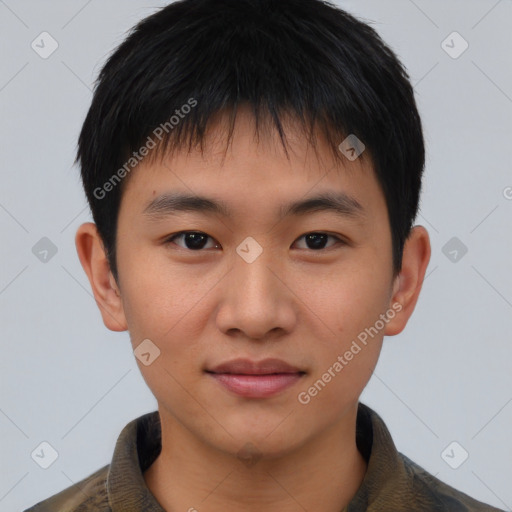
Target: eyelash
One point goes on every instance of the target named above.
(171, 238)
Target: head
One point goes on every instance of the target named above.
(252, 113)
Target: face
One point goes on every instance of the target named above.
(255, 282)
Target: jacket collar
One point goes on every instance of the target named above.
(139, 444)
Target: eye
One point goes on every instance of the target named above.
(317, 240)
(193, 240)
(197, 240)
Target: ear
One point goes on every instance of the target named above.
(407, 285)
(94, 261)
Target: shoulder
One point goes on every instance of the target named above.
(435, 494)
(87, 495)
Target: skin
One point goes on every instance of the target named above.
(296, 303)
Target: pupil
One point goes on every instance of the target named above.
(318, 240)
(195, 240)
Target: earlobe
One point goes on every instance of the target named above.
(408, 283)
(94, 261)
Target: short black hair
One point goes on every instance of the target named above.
(192, 59)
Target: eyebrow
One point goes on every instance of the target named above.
(339, 203)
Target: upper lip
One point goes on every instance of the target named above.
(248, 367)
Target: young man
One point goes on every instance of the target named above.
(254, 170)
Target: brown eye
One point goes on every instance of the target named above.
(318, 240)
(192, 240)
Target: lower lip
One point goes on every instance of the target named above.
(257, 386)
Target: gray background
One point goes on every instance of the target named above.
(69, 381)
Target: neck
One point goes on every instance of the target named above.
(323, 474)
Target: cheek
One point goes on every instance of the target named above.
(348, 301)
(158, 294)
(349, 305)
(347, 353)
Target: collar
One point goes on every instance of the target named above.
(139, 444)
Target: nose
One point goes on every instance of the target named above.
(257, 302)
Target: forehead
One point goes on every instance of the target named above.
(254, 168)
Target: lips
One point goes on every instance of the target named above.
(256, 379)
(248, 367)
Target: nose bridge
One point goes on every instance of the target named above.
(254, 280)
(256, 301)
(251, 264)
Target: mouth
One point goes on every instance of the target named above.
(253, 379)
